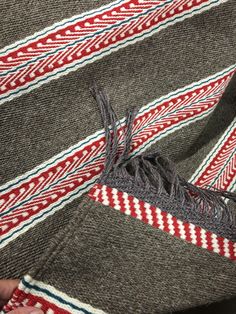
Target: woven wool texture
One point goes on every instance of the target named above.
(174, 61)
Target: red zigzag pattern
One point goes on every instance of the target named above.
(162, 220)
(50, 189)
(219, 168)
(53, 54)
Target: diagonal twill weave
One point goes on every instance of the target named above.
(99, 220)
(162, 220)
(83, 39)
(30, 198)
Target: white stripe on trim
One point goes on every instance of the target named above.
(69, 152)
(64, 70)
(58, 293)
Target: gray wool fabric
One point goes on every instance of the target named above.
(51, 124)
(112, 259)
(33, 17)
(89, 251)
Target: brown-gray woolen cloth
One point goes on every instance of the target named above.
(122, 265)
(87, 250)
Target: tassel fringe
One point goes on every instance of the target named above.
(153, 177)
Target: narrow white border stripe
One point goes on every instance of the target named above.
(59, 25)
(112, 48)
(68, 152)
(52, 290)
(207, 160)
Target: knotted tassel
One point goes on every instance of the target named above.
(153, 177)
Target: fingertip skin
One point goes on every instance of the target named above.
(7, 288)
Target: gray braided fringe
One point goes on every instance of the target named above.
(153, 178)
